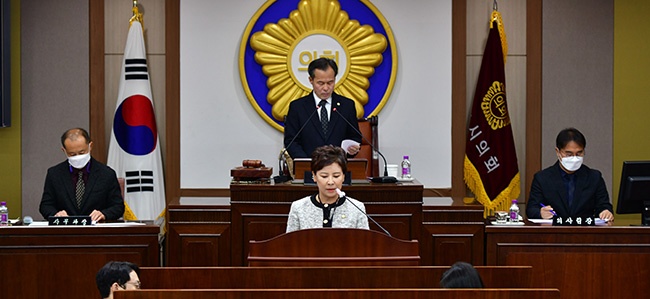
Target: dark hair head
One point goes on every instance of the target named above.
(114, 272)
(327, 155)
(461, 275)
(322, 64)
(74, 134)
(570, 134)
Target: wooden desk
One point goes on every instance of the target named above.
(452, 231)
(582, 262)
(336, 294)
(259, 212)
(199, 231)
(61, 262)
(321, 277)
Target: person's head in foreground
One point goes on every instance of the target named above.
(117, 276)
(461, 275)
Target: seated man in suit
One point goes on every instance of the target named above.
(81, 185)
(326, 128)
(569, 188)
(117, 276)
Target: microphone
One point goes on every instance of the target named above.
(342, 195)
(381, 179)
(284, 175)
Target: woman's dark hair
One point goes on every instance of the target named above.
(570, 134)
(113, 272)
(327, 155)
(461, 275)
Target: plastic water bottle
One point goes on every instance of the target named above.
(4, 214)
(514, 212)
(406, 168)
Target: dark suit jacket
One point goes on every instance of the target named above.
(590, 197)
(102, 192)
(311, 137)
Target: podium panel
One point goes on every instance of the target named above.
(333, 247)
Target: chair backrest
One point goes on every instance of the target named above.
(368, 128)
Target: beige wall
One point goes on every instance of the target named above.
(577, 76)
(55, 86)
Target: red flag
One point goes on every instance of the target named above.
(491, 170)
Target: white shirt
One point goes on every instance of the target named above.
(328, 106)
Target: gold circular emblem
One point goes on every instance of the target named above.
(494, 106)
(316, 28)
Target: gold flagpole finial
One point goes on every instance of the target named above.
(137, 16)
(496, 17)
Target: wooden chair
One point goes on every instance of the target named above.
(368, 128)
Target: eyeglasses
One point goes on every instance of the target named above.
(571, 154)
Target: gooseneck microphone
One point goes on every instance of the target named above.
(342, 195)
(284, 175)
(381, 179)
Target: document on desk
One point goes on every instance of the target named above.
(541, 221)
(120, 224)
(113, 224)
(39, 223)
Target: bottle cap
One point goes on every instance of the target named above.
(406, 157)
(514, 201)
(3, 203)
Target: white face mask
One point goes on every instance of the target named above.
(571, 163)
(79, 161)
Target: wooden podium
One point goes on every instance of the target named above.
(333, 247)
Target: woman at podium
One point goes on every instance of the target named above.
(327, 208)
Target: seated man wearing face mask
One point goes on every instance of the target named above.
(569, 188)
(81, 186)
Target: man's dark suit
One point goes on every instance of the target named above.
(102, 192)
(589, 199)
(312, 135)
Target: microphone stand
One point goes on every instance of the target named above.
(284, 175)
(381, 179)
(342, 195)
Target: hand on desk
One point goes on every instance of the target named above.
(606, 215)
(61, 213)
(546, 212)
(97, 216)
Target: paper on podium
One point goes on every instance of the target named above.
(347, 143)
